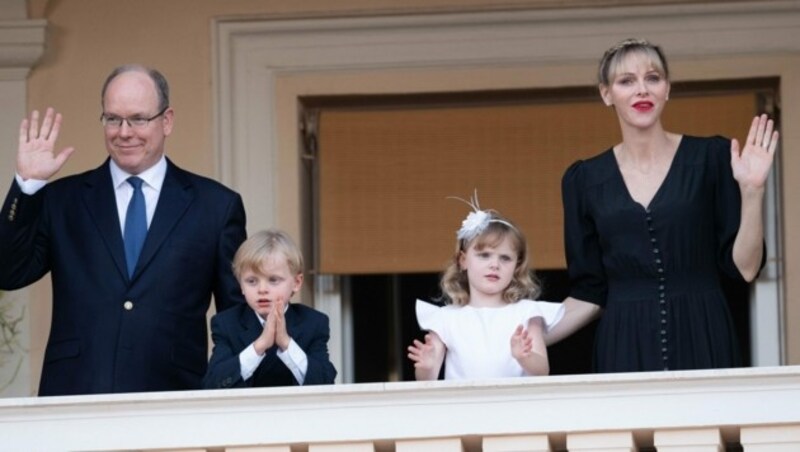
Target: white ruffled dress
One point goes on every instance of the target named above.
(478, 340)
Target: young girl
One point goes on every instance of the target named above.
(490, 326)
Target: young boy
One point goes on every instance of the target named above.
(270, 341)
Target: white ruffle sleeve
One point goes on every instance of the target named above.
(550, 313)
(430, 317)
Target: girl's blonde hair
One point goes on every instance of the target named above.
(263, 245)
(454, 282)
(613, 57)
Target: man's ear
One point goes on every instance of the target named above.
(169, 118)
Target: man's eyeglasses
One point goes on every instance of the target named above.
(136, 122)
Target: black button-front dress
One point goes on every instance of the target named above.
(656, 270)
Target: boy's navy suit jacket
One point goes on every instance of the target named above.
(237, 328)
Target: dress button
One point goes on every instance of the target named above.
(663, 321)
(656, 250)
(662, 301)
(664, 350)
(663, 332)
(128, 305)
(661, 287)
(663, 341)
(660, 270)
(663, 312)
(661, 295)
(653, 240)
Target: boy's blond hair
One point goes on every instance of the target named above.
(257, 250)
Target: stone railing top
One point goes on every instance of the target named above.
(404, 410)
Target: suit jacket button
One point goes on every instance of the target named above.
(128, 305)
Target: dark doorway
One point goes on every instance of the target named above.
(384, 324)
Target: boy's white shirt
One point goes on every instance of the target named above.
(294, 357)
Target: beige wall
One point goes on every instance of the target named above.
(87, 38)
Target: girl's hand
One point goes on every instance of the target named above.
(527, 347)
(521, 344)
(427, 356)
(751, 166)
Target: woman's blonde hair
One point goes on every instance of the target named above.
(263, 245)
(454, 282)
(614, 56)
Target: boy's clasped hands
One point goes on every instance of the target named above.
(274, 332)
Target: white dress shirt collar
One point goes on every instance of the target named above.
(153, 176)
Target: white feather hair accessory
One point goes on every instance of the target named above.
(477, 221)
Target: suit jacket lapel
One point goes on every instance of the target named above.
(175, 198)
(291, 321)
(251, 327)
(101, 203)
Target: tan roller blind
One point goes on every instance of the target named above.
(385, 174)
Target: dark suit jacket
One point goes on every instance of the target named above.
(237, 328)
(111, 333)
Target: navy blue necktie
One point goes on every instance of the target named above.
(135, 225)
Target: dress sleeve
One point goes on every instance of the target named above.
(431, 318)
(727, 206)
(581, 243)
(550, 313)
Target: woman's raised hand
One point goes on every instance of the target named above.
(751, 166)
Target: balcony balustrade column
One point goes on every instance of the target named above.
(258, 449)
(531, 443)
(601, 442)
(774, 438)
(430, 445)
(689, 440)
(343, 447)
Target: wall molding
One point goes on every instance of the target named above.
(22, 44)
(249, 55)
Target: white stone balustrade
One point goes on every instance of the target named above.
(757, 409)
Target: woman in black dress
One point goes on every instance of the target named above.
(651, 223)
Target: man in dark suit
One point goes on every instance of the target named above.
(269, 341)
(128, 314)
